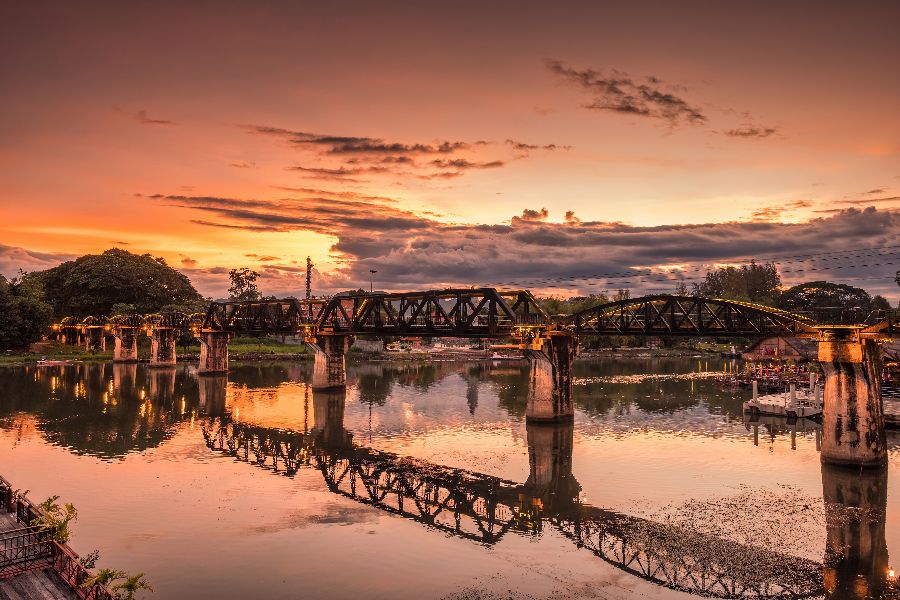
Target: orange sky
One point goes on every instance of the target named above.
(404, 137)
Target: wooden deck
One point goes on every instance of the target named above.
(40, 584)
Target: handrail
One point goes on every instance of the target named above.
(46, 551)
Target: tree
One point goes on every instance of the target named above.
(753, 283)
(243, 284)
(94, 283)
(879, 302)
(819, 295)
(24, 315)
(103, 578)
(681, 288)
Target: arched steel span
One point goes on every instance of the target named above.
(168, 320)
(484, 508)
(690, 316)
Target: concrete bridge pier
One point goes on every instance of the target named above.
(125, 348)
(852, 416)
(94, 339)
(213, 352)
(330, 366)
(213, 390)
(856, 554)
(124, 379)
(328, 418)
(162, 347)
(550, 388)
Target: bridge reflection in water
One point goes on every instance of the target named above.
(484, 508)
(109, 410)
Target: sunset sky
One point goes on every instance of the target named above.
(465, 143)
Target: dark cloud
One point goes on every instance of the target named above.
(871, 201)
(412, 250)
(332, 144)
(356, 159)
(875, 191)
(13, 258)
(462, 163)
(525, 147)
(243, 165)
(618, 92)
(531, 216)
(187, 261)
(142, 117)
(751, 132)
(775, 212)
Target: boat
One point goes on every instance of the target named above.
(46, 362)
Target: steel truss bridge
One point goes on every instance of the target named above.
(492, 313)
(483, 509)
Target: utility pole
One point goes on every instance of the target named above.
(372, 280)
(309, 266)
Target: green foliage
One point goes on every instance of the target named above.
(752, 283)
(879, 302)
(90, 559)
(55, 519)
(24, 314)
(243, 284)
(127, 589)
(104, 577)
(554, 305)
(93, 284)
(824, 294)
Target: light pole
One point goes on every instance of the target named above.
(372, 280)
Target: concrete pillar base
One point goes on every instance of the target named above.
(162, 348)
(852, 417)
(550, 389)
(330, 366)
(213, 352)
(125, 349)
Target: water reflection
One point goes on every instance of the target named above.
(484, 509)
(266, 415)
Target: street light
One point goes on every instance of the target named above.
(372, 280)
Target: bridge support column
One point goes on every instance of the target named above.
(550, 390)
(852, 417)
(330, 366)
(213, 352)
(856, 554)
(95, 339)
(162, 347)
(125, 349)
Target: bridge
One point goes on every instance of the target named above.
(849, 353)
(484, 509)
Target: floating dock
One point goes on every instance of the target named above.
(795, 403)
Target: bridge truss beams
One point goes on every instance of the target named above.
(688, 316)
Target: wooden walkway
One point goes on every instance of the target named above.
(39, 584)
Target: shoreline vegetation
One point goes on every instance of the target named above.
(245, 349)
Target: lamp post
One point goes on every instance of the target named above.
(372, 280)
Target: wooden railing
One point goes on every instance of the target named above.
(29, 547)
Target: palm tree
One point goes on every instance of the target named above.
(133, 584)
(103, 578)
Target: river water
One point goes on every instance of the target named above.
(424, 481)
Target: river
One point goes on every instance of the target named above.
(424, 481)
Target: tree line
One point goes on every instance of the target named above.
(118, 281)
